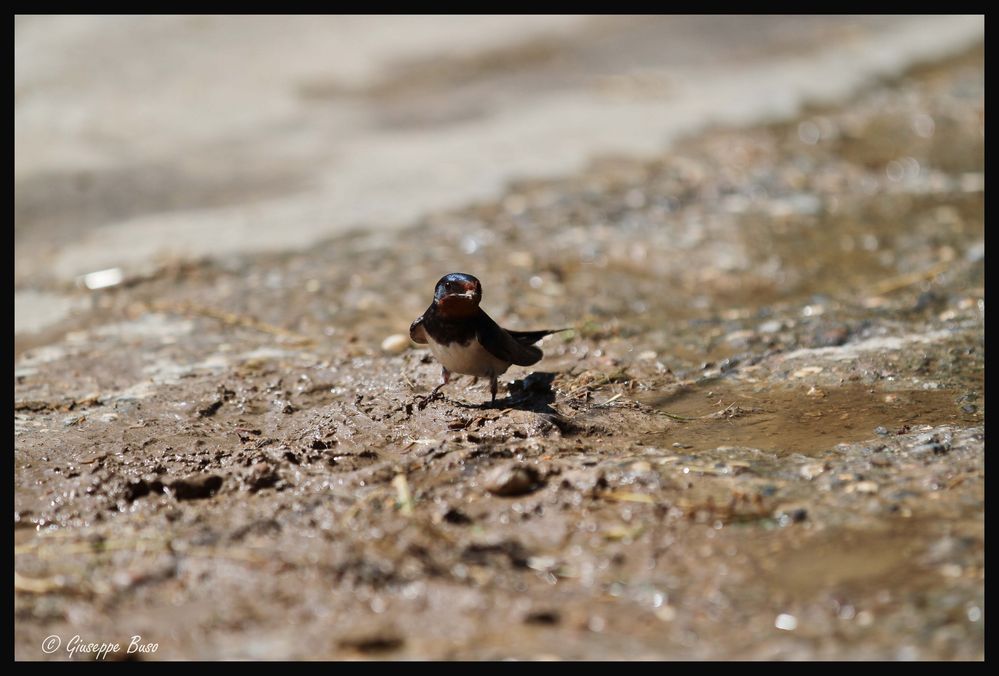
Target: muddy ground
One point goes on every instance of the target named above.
(764, 437)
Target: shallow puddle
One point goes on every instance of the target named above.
(792, 420)
(847, 560)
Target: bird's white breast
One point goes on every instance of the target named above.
(471, 359)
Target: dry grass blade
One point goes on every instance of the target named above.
(626, 496)
(37, 585)
(47, 548)
(403, 497)
(901, 281)
(684, 418)
(609, 401)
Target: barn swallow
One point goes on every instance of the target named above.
(466, 340)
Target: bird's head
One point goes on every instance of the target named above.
(457, 295)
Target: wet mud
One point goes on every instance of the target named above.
(764, 437)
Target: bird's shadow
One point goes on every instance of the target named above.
(531, 393)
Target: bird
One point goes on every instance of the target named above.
(465, 340)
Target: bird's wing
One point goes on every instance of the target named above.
(531, 337)
(499, 343)
(417, 332)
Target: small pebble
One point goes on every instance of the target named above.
(812, 470)
(666, 613)
(785, 519)
(395, 344)
(786, 622)
(261, 475)
(865, 487)
(932, 448)
(512, 480)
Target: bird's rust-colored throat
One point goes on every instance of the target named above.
(457, 306)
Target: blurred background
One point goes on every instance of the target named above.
(145, 139)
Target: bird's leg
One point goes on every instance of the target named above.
(445, 378)
(493, 385)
